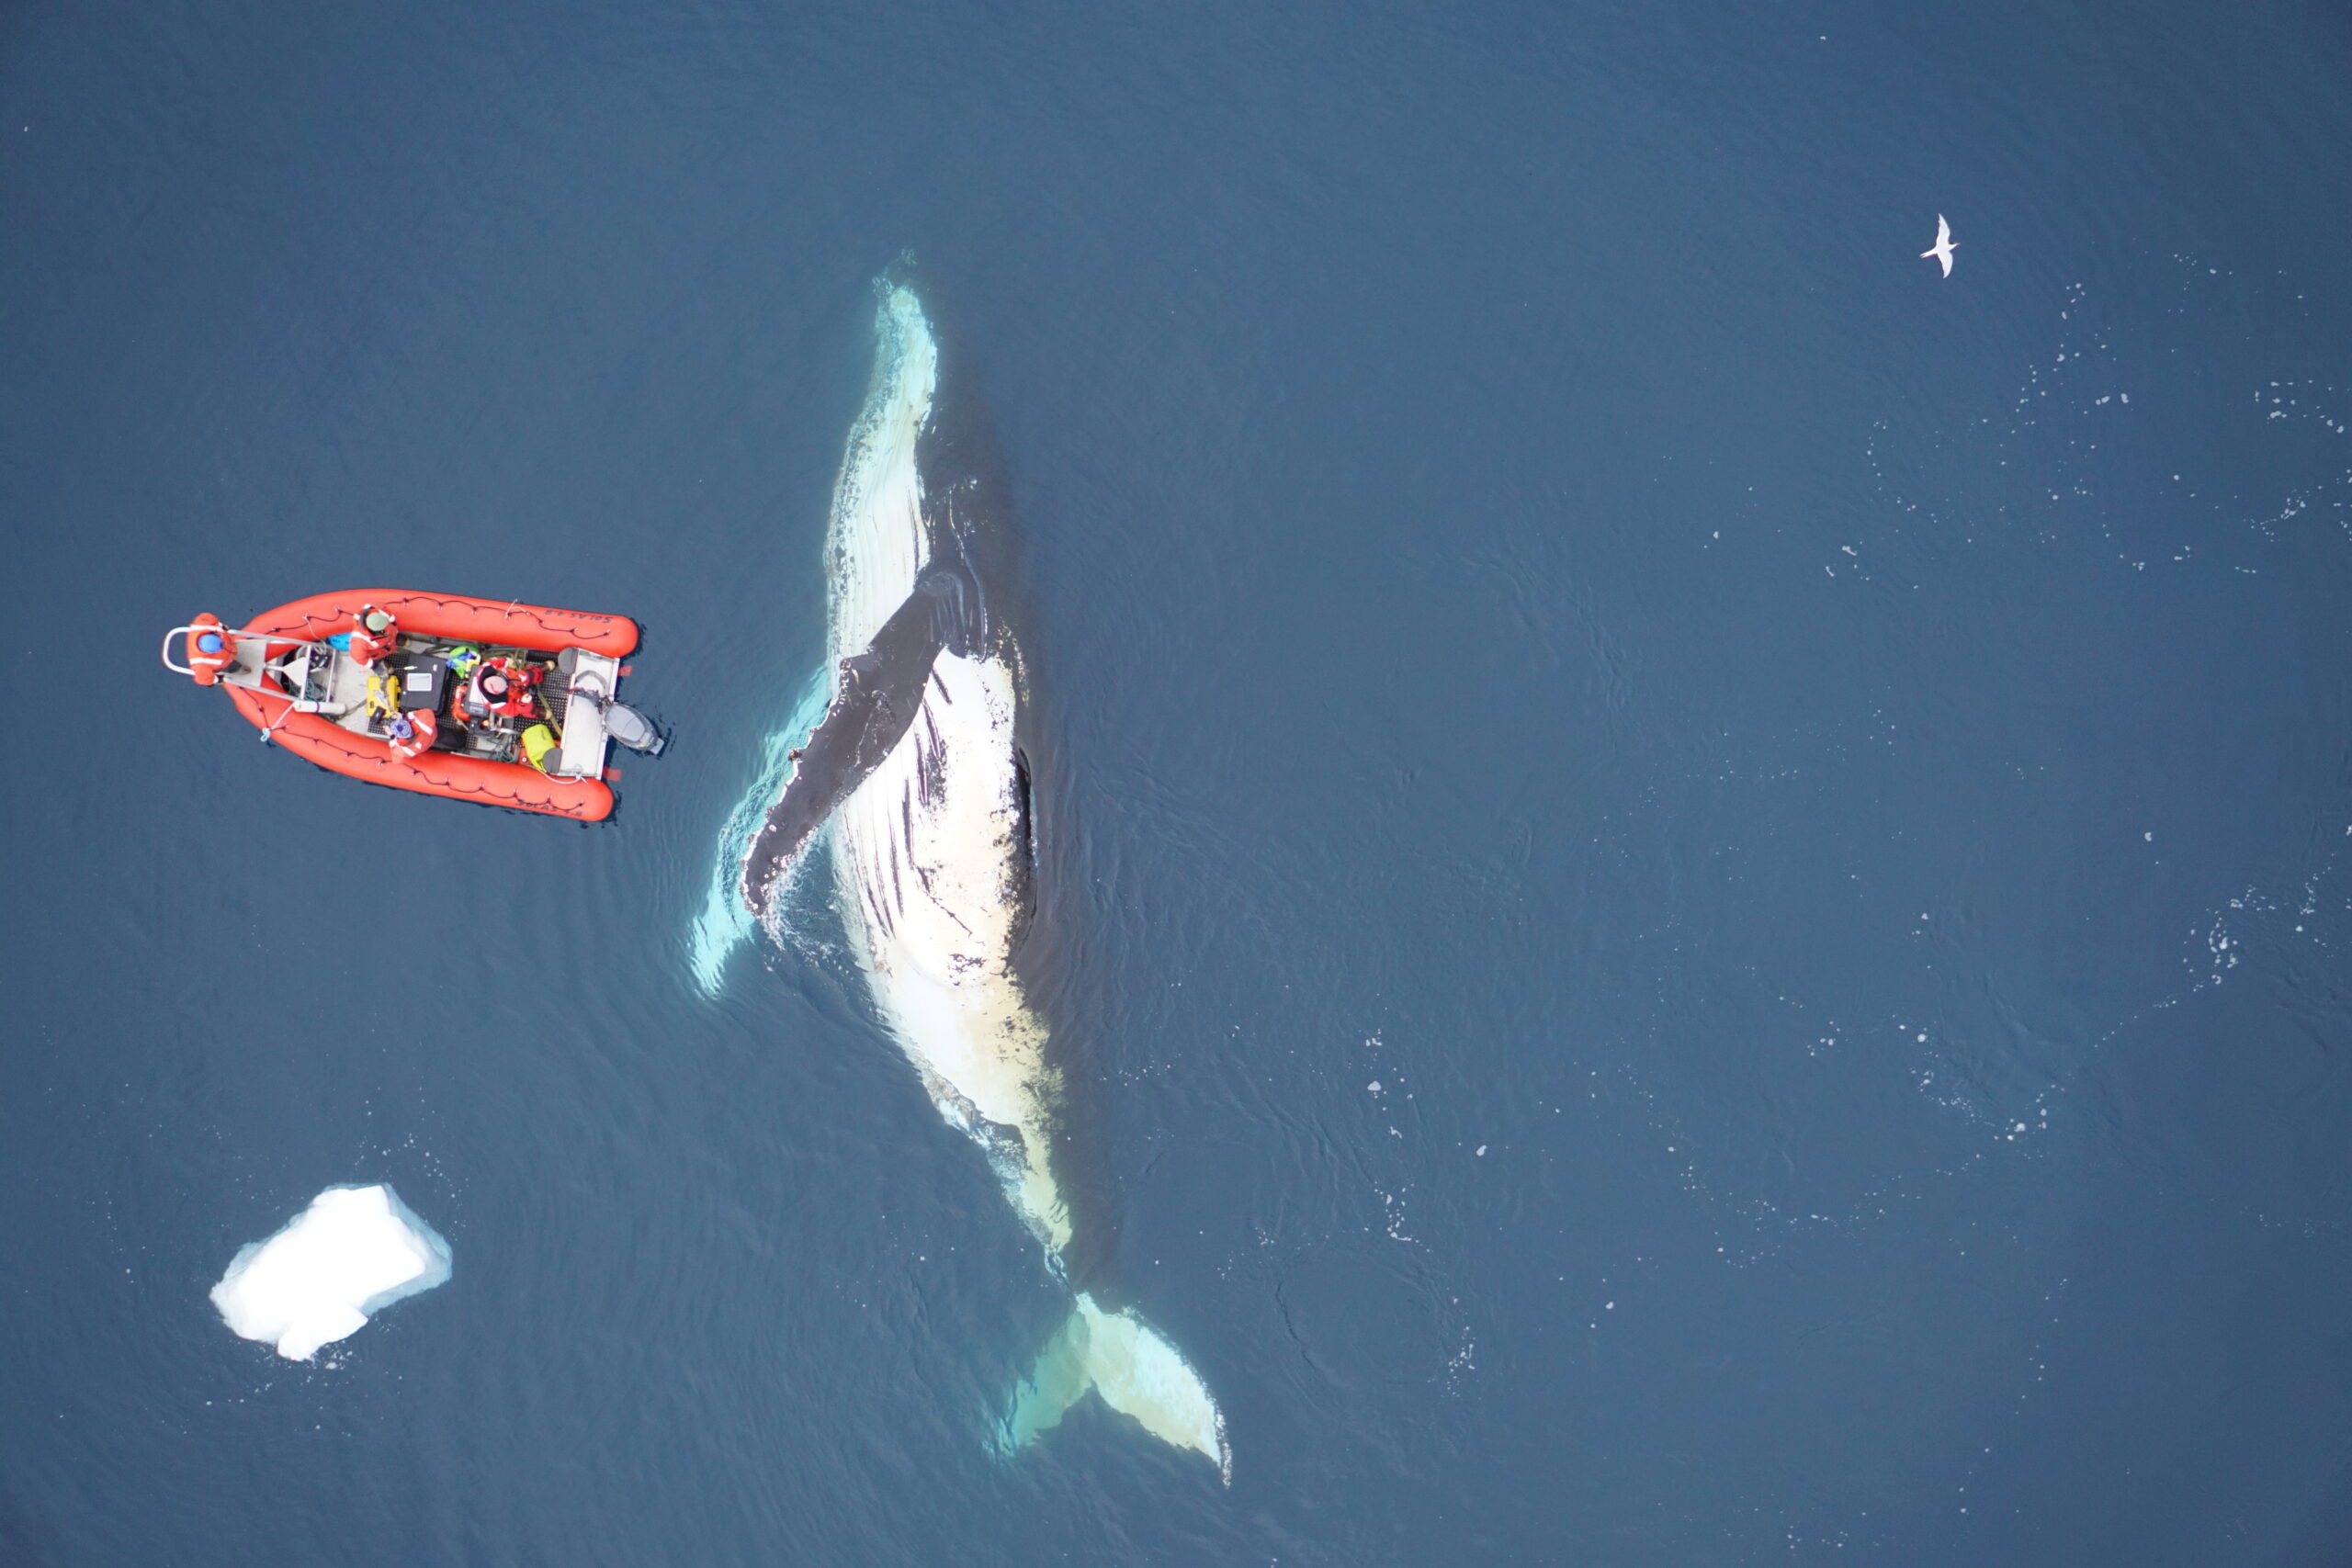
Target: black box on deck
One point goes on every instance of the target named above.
(424, 677)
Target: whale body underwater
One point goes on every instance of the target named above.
(914, 789)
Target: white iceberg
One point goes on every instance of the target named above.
(356, 1250)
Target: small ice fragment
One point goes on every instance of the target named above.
(1610, 1306)
(1482, 1151)
(2149, 837)
(1374, 1086)
(2020, 1127)
(1923, 1037)
(356, 1250)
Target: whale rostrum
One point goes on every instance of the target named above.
(915, 787)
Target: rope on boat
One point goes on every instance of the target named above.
(292, 707)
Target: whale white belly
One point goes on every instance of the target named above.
(928, 855)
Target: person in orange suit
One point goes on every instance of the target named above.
(211, 651)
(504, 686)
(372, 635)
(411, 733)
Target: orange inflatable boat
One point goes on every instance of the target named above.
(501, 704)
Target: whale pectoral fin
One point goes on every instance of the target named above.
(1137, 1371)
(879, 693)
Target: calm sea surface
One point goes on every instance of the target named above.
(1818, 793)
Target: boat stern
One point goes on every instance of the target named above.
(589, 680)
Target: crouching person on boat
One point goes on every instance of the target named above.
(411, 733)
(373, 634)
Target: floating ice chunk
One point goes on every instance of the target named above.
(356, 1250)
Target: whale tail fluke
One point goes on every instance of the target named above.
(1137, 1371)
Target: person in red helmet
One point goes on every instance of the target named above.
(373, 634)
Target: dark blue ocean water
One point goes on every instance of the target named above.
(1819, 793)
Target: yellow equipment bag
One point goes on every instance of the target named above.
(539, 745)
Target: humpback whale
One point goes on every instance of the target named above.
(915, 787)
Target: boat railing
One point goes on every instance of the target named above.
(228, 631)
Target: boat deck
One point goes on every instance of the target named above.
(338, 686)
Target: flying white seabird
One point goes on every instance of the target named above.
(1943, 247)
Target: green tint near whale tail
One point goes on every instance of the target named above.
(1137, 1371)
